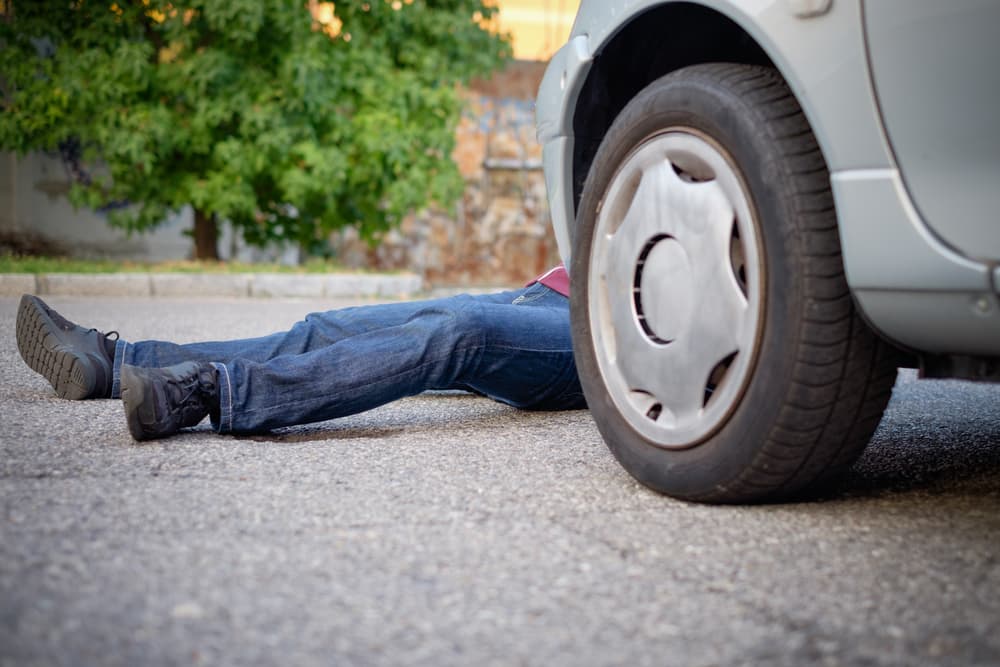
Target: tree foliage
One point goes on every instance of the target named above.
(287, 118)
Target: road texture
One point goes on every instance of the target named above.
(450, 530)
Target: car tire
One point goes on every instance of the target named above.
(719, 347)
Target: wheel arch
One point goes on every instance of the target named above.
(654, 42)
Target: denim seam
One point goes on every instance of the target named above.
(557, 350)
(530, 295)
(116, 368)
(225, 424)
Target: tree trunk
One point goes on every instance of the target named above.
(206, 236)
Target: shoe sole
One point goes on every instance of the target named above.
(133, 395)
(45, 354)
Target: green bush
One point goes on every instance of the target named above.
(287, 123)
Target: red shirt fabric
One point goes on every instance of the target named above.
(555, 279)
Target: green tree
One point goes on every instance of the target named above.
(287, 118)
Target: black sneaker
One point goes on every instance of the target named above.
(161, 401)
(77, 362)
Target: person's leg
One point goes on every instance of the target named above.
(85, 363)
(527, 354)
(519, 353)
(317, 331)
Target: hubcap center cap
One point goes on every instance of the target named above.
(666, 291)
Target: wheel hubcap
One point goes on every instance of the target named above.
(675, 277)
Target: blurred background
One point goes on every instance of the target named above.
(498, 232)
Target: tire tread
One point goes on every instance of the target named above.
(841, 412)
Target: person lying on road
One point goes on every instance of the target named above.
(512, 346)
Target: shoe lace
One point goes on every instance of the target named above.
(186, 393)
(191, 394)
(108, 334)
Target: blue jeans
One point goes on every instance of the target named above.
(512, 346)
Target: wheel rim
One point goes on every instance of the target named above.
(675, 288)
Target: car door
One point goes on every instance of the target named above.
(935, 67)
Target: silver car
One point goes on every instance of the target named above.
(766, 208)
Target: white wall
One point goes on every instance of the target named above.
(33, 201)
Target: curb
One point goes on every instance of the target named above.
(187, 285)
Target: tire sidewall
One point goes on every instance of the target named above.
(678, 101)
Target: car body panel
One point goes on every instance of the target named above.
(557, 158)
(935, 71)
(898, 252)
(915, 291)
(896, 264)
(564, 77)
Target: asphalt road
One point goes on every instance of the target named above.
(450, 530)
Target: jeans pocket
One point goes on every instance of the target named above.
(533, 293)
